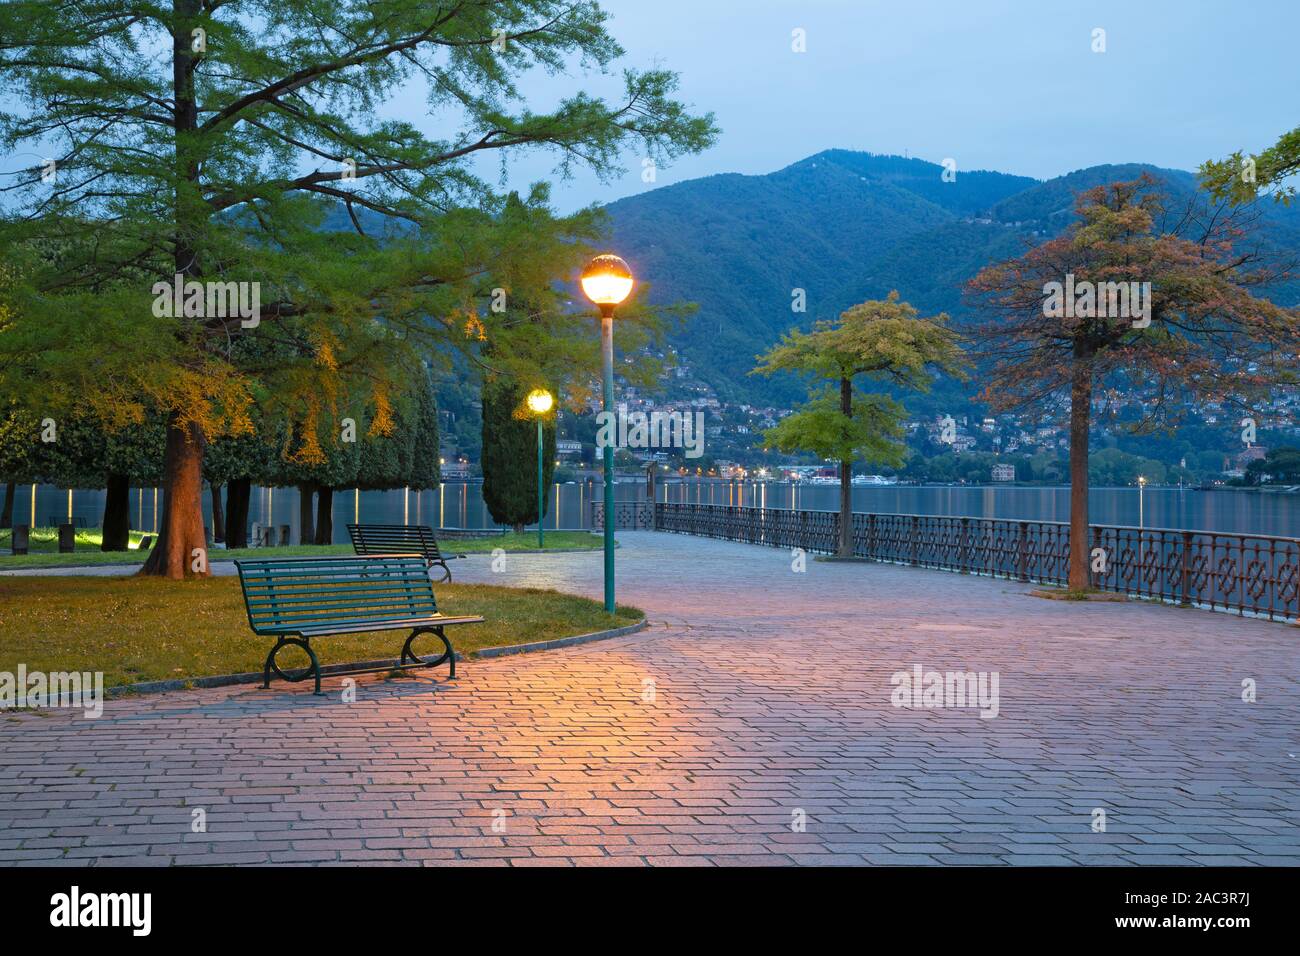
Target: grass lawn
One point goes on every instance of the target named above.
(45, 544)
(143, 629)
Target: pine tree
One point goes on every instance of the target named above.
(222, 159)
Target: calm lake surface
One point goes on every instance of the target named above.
(460, 504)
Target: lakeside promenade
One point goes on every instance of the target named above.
(752, 723)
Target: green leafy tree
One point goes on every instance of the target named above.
(1110, 466)
(80, 453)
(221, 160)
(881, 340)
(1241, 178)
(236, 463)
(510, 454)
(1279, 465)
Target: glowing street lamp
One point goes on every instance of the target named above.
(607, 281)
(540, 401)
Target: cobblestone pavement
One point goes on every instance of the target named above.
(752, 724)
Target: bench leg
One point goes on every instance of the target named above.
(449, 655)
(283, 642)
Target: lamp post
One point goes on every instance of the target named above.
(1142, 548)
(607, 281)
(539, 403)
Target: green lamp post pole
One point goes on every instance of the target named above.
(540, 401)
(541, 496)
(607, 404)
(607, 281)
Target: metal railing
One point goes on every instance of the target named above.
(1249, 574)
(631, 515)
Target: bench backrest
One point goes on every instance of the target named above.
(394, 539)
(284, 594)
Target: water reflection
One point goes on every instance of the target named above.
(460, 504)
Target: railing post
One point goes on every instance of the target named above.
(1185, 597)
(915, 542)
(1096, 545)
(964, 547)
(871, 536)
(1022, 559)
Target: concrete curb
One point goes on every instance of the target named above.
(488, 554)
(342, 670)
(1090, 597)
(490, 652)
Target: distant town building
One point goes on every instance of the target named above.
(1004, 472)
(963, 443)
(1253, 453)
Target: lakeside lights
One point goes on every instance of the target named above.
(540, 401)
(607, 281)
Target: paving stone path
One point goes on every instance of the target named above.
(752, 724)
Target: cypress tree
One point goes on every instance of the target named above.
(510, 454)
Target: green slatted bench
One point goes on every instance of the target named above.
(399, 539)
(297, 599)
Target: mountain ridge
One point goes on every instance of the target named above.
(846, 226)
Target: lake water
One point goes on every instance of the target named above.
(460, 504)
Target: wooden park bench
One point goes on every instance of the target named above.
(399, 539)
(297, 599)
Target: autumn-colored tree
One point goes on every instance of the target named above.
(224, 159)
(885, 341)
(1069, 314)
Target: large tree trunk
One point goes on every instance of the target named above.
(117, 514)
(324, 515)
(181, 531)
(7, 515)
(1080, 417)
(846, 477)
(218, 519)
(306, 530)
(238, 493)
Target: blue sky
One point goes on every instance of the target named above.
(1011, 85)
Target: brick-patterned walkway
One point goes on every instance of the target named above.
(759, 697)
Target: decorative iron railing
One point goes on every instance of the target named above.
(628, 515)
(1249, 574)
